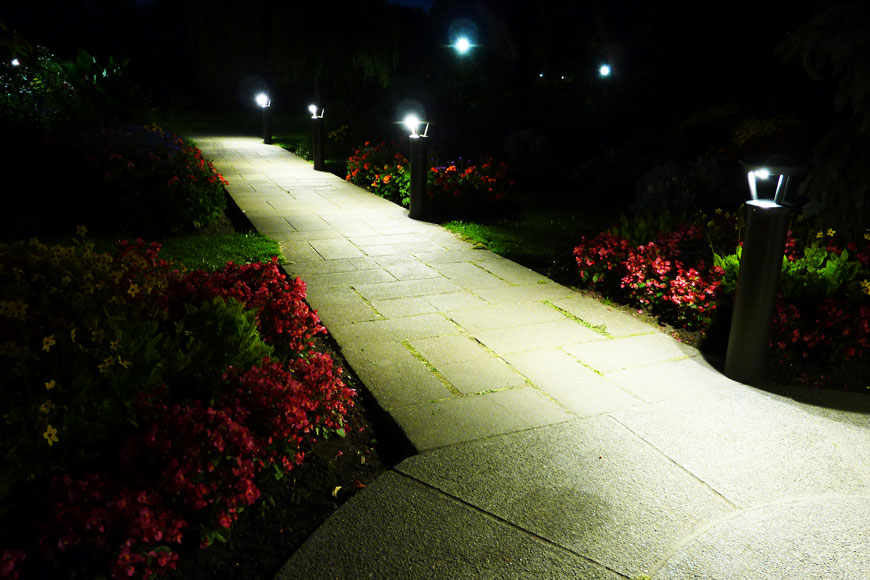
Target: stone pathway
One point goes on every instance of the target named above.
(556, 437)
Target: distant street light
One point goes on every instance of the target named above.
(419, 202)
(265, 104)
(462, 45)
(604, 71)
(317, 139)
(16, 62)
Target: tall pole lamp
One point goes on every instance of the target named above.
(317, 137)
(265, 104)
(420, 205)
(758, 276)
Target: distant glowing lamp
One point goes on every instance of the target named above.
(604, 71)
(264, 102)
(462, 45)
(412, 122)
(16, 62)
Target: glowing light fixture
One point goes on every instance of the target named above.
(604, 71)
(412, 122)
(763, 174)
(263, 100)
(462, 45)
(16, 62)
(313, 110)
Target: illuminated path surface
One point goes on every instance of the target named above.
(556, 438)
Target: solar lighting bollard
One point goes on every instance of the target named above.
(421, 207)
(265, 104)
(317, 137)
(758, 276)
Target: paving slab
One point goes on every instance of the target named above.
(394, 376)
(452, 349)
(406, 288)
(671, 379)
(393, 330)
(406, 267)
(421, 534)
(469, 276)
(753, 449)
(614, 321)
(473, 417)
(589, 485)
(493, 317)
(821, 538)
(453, 301)
(400, 307)
(335, 249)
(509, 271)
(536, 336)
(628, 352)
(524, 293)
(575, 387)
(478, 376)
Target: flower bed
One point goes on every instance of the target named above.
(683, 270)
(459, 189)
(142, 403)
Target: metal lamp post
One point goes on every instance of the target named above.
(420, 205)
(317, 137)
(265, 104)
(758, 277)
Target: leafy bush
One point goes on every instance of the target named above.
(381, 169)
(150, 181)
(683, 277)
(459, 189)
(141, 403)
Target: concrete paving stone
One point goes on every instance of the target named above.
(407, 288)
(337, 306)
(307, 222)
(421, 534)
(575, 387)
(614, 321)
(239, 187)
(394, 330)
(671, 379)
(477, 376)
(347, 279)
(394, 249)
(786, 451)
(406, 267)
(629, 352)
(399, 307)
(491, 317)
(443, 256)
(321, 266)
(394, 376)
(348, 228)
(293, 236)
(823, 538)
(298, 252)
(336, 249)
(453, 301)
(511, 271)
(269, 225)
(469, 276)
(536, 336)
(589, 485)
(473, 417)
(380, 239)
(450, 349)
(524, 293)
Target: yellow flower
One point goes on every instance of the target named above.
(81, 231)
(133, 290)
(113, 345)
(48, 342)
(865, 285)
(124, 363)
(50, 435)
(867, 236)
(820, 235)
(72, 334)
(46, 407)
(107, 363)
(50, 384)
(831, 232)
